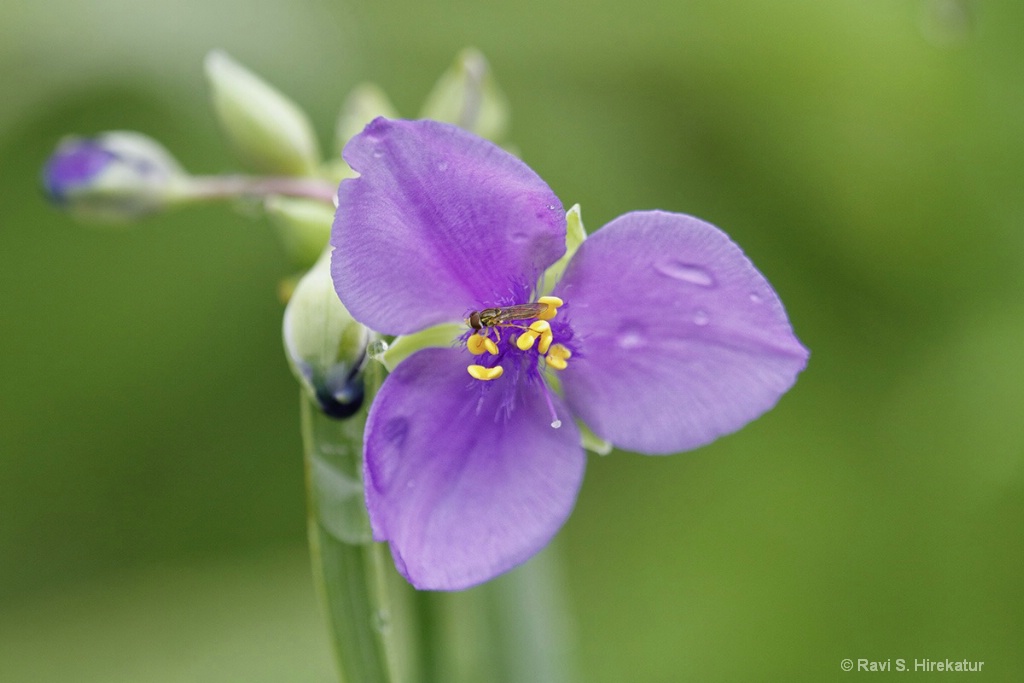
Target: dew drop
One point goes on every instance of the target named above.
(695, 275)
(700, 318)
(377, 349)
(556, 424)
(631, 336)
(630, 340)
(755, 298)
(377, 154)
(519, 237)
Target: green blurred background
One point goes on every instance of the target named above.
(867, 154)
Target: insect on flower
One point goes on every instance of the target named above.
(505, 315)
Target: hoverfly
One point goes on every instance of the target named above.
(499, 317)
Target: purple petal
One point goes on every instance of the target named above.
(75, 163)
(682, 339)
(439, 222)
(462, 492)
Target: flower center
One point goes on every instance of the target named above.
(491, 321)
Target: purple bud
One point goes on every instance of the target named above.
(115, 176)
(75, 164)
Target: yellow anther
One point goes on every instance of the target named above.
(477, 344)
(553, 303)
(485, 374)
(526, 339)
(560, 351)
(545, 342)
(554, 362)
(540, 326)
(491, 347)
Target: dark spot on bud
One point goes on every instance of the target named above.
(343, 404)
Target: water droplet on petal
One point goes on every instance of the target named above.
(519, 237)
(700, 317)
(686, 272)
(556, 424)
(755, 298)
(377, 154)
(377, 349)
(631, 336)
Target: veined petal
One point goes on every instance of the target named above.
(439, 222)
(462, 489)
(682, 339)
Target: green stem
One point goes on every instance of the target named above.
(351, 572)
(235, 186)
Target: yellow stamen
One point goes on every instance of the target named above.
(553, 303)
(477, 344)
(540, 326)
(491, 347)
(485, 374)
(560, 351)
(526, 339)
(545, 342)
(554, 362)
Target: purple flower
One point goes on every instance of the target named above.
(661, 337)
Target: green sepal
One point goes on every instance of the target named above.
(268, 130)
(468, 96)
(443, 335)
(592, 442)
(574, 236)
(303, 225)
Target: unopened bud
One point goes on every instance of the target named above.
(115, 176)
(326, 347)
(269, 131)
(468, 96)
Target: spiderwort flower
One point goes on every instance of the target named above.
(662, 336)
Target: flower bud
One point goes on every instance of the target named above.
(365, 103)
(468, 96)
(303, 225)
(326, 347)
(116, 176)
(269, 131)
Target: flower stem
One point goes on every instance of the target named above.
(234, 186)
(351, 571)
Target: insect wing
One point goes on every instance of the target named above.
(499, 316)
